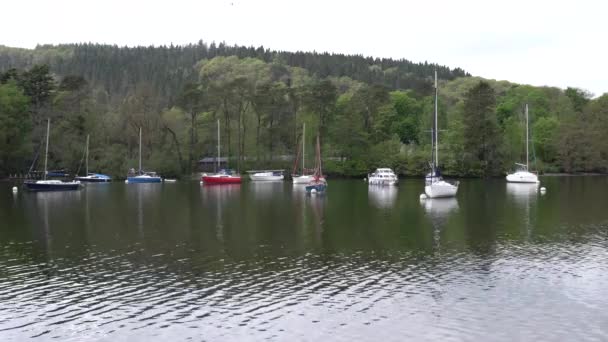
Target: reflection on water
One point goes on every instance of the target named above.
(266, 190)
(232, 263)
(382, 196)
(523, 192)
(440, 208)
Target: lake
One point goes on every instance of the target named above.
(172, 262)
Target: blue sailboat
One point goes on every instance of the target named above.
(92, 177)
(142, 176)
(49, 184)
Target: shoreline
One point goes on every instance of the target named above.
(196, 176)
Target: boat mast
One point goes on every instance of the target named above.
(303, 148)
(527, 138)
(139, 150)
(46, 153)
(87, 160)
(218, 145)
(436, 131)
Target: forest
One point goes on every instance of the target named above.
(368, 112)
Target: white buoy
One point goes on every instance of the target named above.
(201, 182)
(365, 179)
(422, 196)
(15, 189)
(313, 191)
(126, 181)
(543, 189)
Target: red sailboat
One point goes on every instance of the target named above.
(223, 176)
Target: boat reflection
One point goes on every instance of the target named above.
(266, 190)
(523, 193)
(219, 196)
(440, 209)
(382, 196)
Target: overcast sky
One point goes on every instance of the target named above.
(539, 42)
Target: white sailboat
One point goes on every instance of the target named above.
(142, 176)
(91, 177)
(435, 185)
(49, 184)
(302, 178)
(522, 174)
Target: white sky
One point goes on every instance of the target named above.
(539, 42)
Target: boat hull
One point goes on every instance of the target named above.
(134, 180)
(441, 189)
(90, 179)
(522, 177)
(266, 178)
(51, 186)
(316, 188)
(215, 180)
(382, 181)
(302, 179)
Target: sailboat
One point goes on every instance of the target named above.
(51, 184)
(435, 185)
(140, 176)
(318, 182)
(91, 177)
(522, 175)
(302, 178)
(223, 176)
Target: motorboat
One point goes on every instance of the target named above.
(94, 178)
(382, 176)
(266, 175)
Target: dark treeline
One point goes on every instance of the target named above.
(166, 69)
(368, 112)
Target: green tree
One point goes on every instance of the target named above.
(15, 128)
(482, 141)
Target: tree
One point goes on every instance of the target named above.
(321, 99)
(579, 97)
(192, 101)
(14, 128)
(406, 124)
(482, 141)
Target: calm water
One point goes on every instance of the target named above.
(172, 262)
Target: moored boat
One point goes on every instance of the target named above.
(302, 177)
(435, 185)
(318, 184)
(142, 176)
(91, 177)
(382, 176)
(51, 184)
(94, 178)
(522, 174)
(222, 177)
(266, 175)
